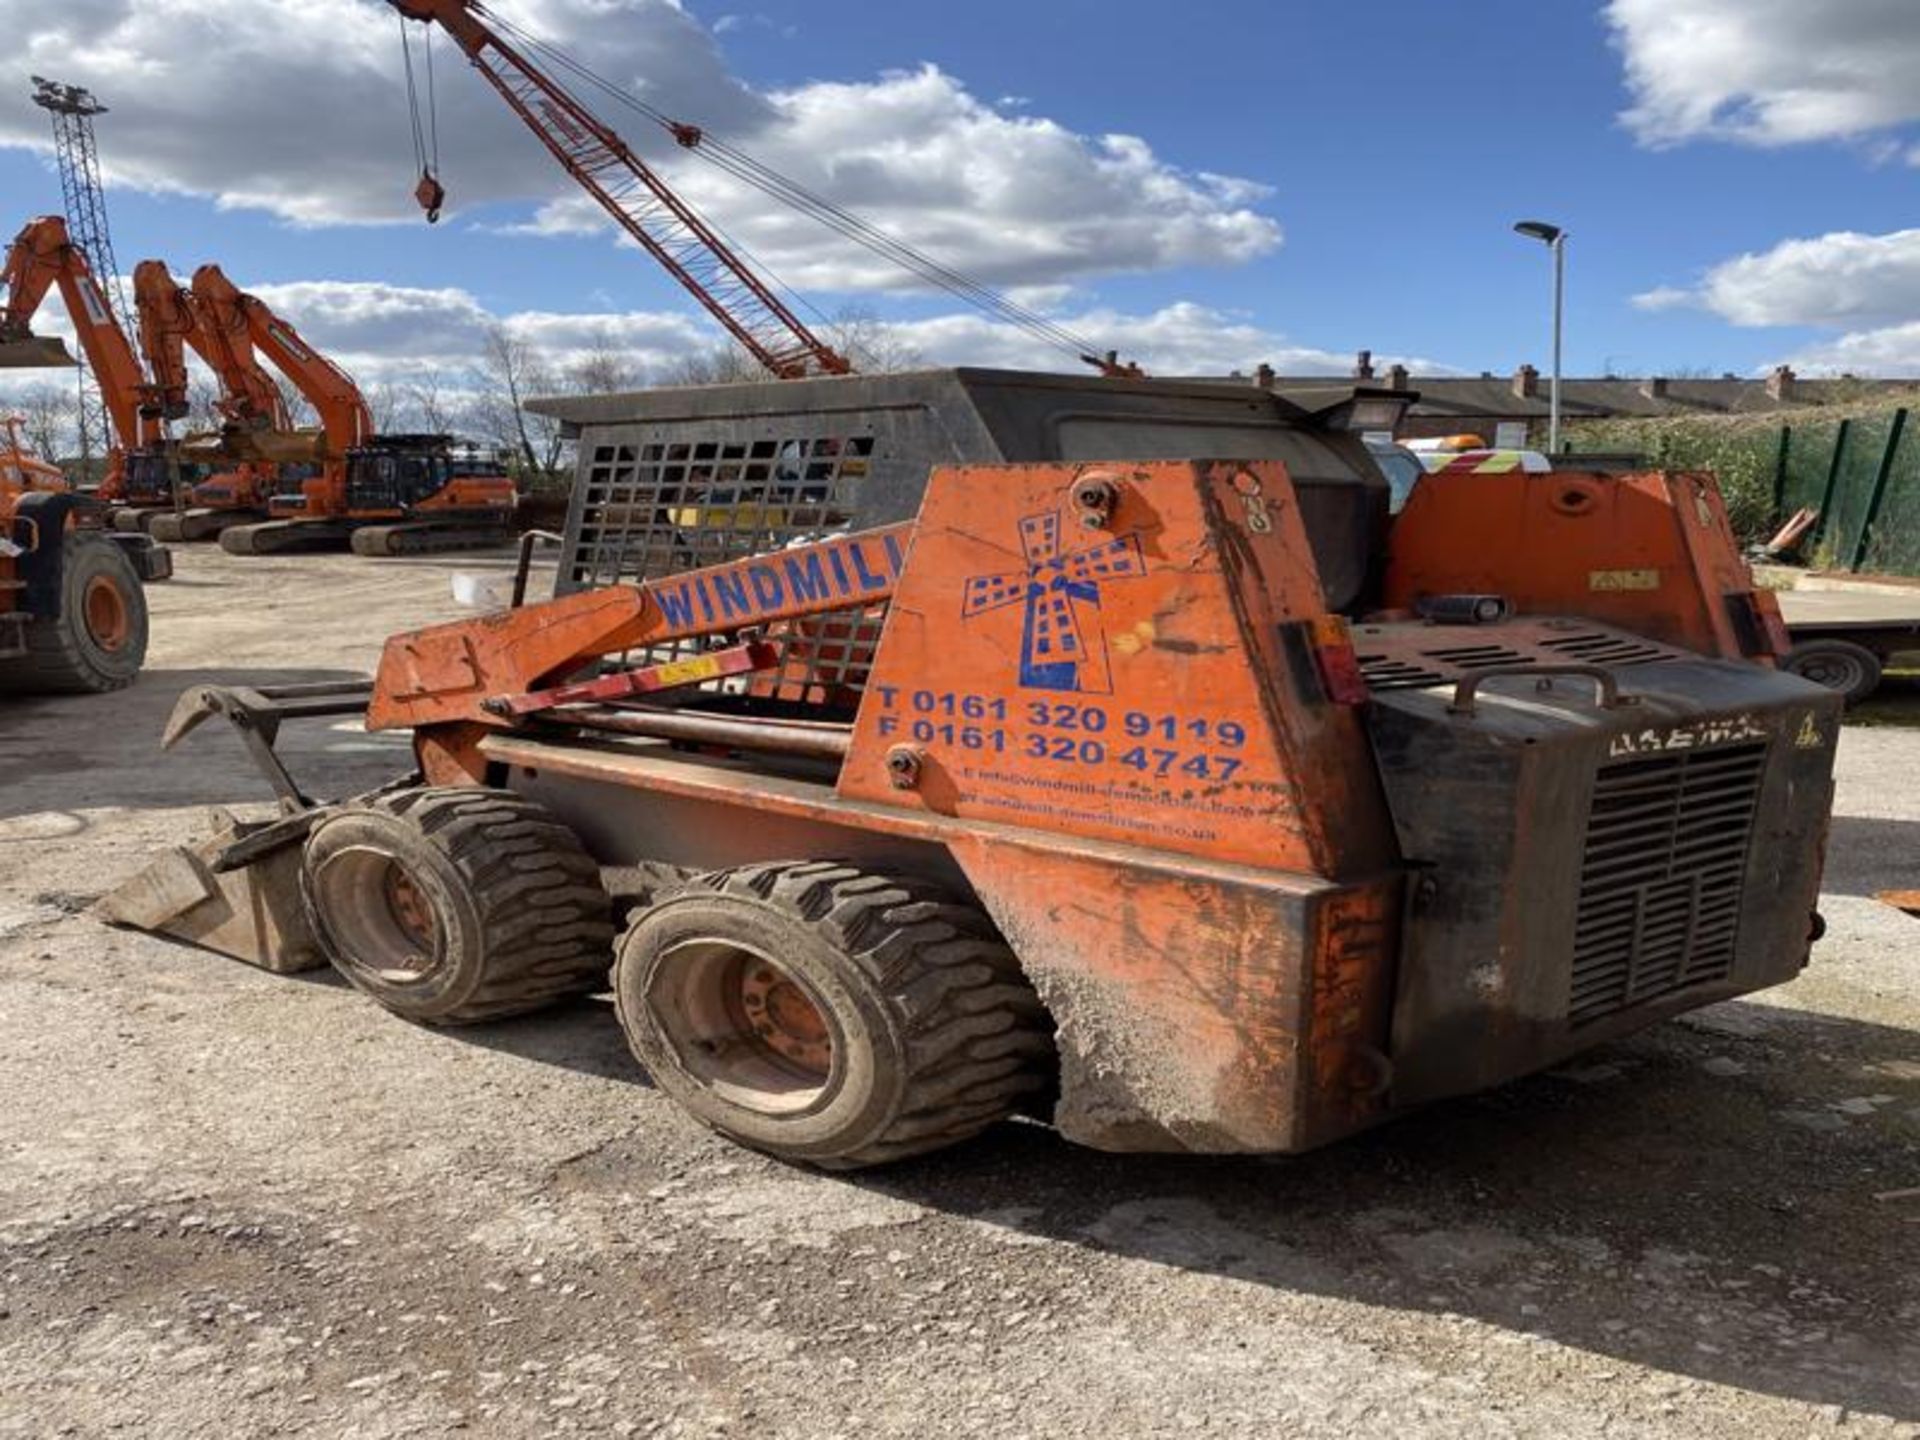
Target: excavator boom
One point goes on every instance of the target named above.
(242, 322)
(41, 258)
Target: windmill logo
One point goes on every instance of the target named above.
(1062, 644)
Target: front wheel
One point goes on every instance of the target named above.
(456, 905)
(829, 1014)
(98, 641)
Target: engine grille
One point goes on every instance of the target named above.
(1414, 656)
(1661, 881)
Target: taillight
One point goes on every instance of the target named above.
(1339, 666)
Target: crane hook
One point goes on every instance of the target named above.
(431, 194)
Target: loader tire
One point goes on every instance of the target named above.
(829, 1014)
(98, 641)
(452, 906)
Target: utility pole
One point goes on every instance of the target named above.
(84, 200)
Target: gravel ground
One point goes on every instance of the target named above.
(232, 1204)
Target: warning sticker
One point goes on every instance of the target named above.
(1623, 580)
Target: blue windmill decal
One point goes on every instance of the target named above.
(1062, 646)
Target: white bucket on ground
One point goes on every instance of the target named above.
(482, 592)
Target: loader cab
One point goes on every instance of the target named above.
(673, 477)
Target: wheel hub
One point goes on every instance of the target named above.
(103, 609)
(784, 1019)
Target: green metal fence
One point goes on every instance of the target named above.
(1863, 476)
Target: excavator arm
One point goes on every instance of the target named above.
(236, 319)
(170, 322)
(41, 258)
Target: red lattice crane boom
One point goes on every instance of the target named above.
(633, 195)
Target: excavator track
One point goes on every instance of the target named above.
(427, 537)
(200, 523)
(133, 519)
(279, 537)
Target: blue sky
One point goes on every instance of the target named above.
(1393, 144)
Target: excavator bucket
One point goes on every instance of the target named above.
(215, 894)
(277, 447)
(36, 352)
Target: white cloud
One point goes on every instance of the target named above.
(1891, 351)
(1841, 280)
(1664, 297)
(1867, 287)
(383, 333)
(300, 111)
(1011, 200)
(1178, 339)
(1768, 72)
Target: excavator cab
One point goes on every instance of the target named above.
(399, 474)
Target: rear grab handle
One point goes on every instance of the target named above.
(1606, 683)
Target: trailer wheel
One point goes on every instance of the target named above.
(1840, 665)
(456, 905)
(98, 641)
(830, 1014)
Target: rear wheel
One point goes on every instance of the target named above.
(98, 641)
(456, 905)
(1852, 670)
(830, 1014)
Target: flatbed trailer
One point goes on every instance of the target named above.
(1843, 639)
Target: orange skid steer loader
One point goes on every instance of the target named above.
(1176, 799)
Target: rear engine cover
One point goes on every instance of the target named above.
(1579, 870)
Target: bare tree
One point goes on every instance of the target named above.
(383, 405)
(49, 412)
(722, 365)
(512, 372)
(431, 403)
(605, 369)
(872, 345)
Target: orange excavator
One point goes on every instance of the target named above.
(383, 494)
(256, 433)
(141, 463)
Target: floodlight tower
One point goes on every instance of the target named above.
(84, 199)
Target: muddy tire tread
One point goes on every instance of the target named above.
(546, 919)
(977, 1037)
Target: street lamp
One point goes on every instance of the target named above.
(1555, 239)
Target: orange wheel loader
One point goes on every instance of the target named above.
(954, 744)
(73, 616)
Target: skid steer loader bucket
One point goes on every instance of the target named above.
(37, 352)
(237, 891)
(211, 893)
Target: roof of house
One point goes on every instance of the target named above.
(1583, 397)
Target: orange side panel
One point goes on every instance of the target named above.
(1197, 1010)
(1127, 680)
(1652, 553)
